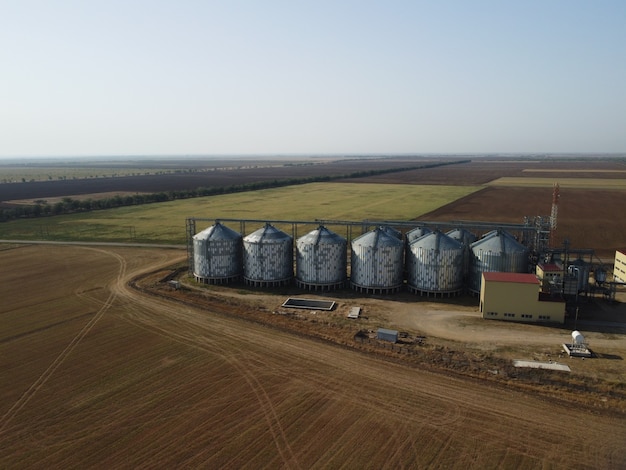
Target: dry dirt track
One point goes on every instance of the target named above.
(119, 379)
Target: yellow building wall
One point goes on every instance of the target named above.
(518, 302)
(619, 270)
(546, 277)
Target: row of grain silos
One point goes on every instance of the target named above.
(431, 262)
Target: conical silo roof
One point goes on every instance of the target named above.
(462, 235)
(268, 233)
(378, 237)
(498, 241)
(391, 231)
(217, 232)
(437, 241)
(416, 233)
(321, 236)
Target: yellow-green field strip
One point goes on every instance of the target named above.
(546, 170)
(165, 222)
(573, 183)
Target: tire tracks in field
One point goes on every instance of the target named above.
(138, 318)
(60, 359)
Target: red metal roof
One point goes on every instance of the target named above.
(550, 267)
(520, 278)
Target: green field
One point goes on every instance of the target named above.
(574, 183)
(165, 222)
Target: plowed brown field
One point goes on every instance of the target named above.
(588, 218)
(96, 374)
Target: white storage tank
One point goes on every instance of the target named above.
(268, 257)
(217, 255)
(321, 260)
(577, 338)
(377, 262)
(496, 251)
(435, 265)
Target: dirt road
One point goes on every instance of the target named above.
(156, 384)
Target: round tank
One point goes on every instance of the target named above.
(465, 237)
(416, 233)
(577, 337)
(581, 270)
(268, 257)
(392, 231)
(435, 265)
(217, 255)
(496, 251)
(377, 262)
(321, 260)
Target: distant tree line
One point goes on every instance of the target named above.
(68, 205)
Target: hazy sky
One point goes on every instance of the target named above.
(134, 77)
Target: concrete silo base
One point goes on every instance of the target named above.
(427, 293)
(261, 283)
(313, 287)
(375, 290)
(217, 280)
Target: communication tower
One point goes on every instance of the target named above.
(554, 213)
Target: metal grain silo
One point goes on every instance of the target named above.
(321, 260)
(466, 238)
(268, 257)
(377, 262)
(435, 265)
(416, 233)
(410, 237)
(496, 251)
(217, 255)
(392, 231)
(463, 236)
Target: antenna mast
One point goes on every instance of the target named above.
(554, 213)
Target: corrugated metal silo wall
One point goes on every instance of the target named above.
(489, 261)
(268, 260)
(225, 257)
(379, 267)
(217, 258)
(200, 259)
(435, 270)
(321, 263)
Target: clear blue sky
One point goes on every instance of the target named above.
(137, 77)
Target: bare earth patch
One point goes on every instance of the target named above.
(96, 373)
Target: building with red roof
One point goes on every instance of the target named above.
(518, 297)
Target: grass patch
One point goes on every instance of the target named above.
(573, 183)
(165, 222)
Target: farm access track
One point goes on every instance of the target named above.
(425, 355)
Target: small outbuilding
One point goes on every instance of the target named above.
(517, 297)
(387, 335)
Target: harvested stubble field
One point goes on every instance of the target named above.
(98, 374)
(165, 222)
(589, 214)
(195, 174)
